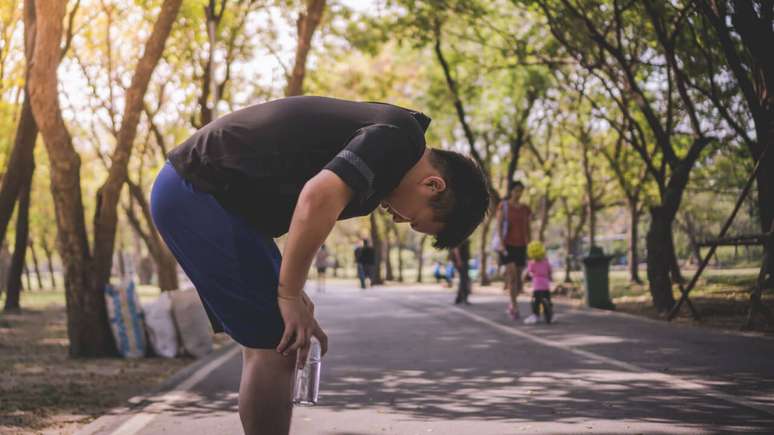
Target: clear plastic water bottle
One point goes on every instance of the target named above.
(307, 383)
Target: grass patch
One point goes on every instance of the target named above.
(42, 299)
(721, 296)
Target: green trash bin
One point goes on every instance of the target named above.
(596, 277)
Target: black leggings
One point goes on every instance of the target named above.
(542, 297)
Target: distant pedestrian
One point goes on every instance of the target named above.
(335, 265)
(540, 270)
(364, 259)
(437, 274)
(449, 275)
(321, 263)
(462, 262)
(513, 219)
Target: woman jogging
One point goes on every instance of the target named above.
(513, 218)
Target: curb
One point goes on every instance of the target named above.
(110, 416)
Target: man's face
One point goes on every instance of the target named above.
(410, 202)
(416, 211)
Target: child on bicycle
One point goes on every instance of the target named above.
(539, 269)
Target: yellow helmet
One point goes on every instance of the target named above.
(536, 250)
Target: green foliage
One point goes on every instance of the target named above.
(530, 72)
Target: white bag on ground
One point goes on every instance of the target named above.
(126, 319)
(161, 326)
(192, 322)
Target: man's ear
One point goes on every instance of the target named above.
(434, 183)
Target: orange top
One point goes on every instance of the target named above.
(518, 225)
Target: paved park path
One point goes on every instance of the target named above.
(406, 361)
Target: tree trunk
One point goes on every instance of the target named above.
(660, 253)
(34, 255)
(388, 275)
(19, 252)
(306, 24)
(484, 251)
(568, 241)
(27, 275)
(20, 164)
(377, 245)
(677, 274)
(754, 72)
(421, 257)
(49, 261)
(205, 111)
(765, 179)
(106, 216)
(87, 324)
(5, 264)
(545, 213)
(21, 161)
(591, 205)
(400, 262)
(399, 244)
(121, 262)
(661, 257)
(166, 264)
(166, 268)
(632, 254)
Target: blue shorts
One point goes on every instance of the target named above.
(234, 267)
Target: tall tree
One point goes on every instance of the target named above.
(14, 282)
(49, 260)
(106, 216)
(306, 24)
(21, 163)
(86, 275)
(225, 27)
(744, 30)
(631, 176)
(624, 52)
(377, 244)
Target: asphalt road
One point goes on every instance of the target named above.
(405, 361)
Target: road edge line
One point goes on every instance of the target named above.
(178, 382)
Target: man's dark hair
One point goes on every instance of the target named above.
(516, 184)
(464, 203)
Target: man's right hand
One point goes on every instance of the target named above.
(300, 326)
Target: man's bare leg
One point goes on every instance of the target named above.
(264, 391)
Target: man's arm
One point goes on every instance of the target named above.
(319, 205)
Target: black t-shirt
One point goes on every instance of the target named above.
(255, 161)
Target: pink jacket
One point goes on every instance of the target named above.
(541, 274)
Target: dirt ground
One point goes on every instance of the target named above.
(722, 310)
(43, 391)
(722, 301)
